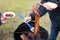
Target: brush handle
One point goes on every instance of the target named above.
(31, 28)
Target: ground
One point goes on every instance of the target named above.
(25, 8)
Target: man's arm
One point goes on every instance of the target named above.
(0, 22)
(42, 10)
(0, 18)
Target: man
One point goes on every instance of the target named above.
(53, 8)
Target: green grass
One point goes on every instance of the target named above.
(19, 6)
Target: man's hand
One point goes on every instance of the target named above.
(50, 5)
(27, 19)
(3, 19)
(24, 37)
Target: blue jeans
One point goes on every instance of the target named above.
(54, 32)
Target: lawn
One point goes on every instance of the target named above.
(19, 6)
